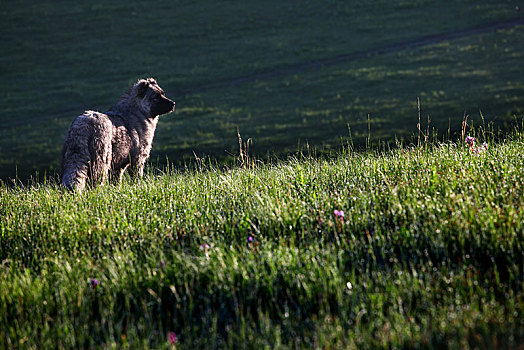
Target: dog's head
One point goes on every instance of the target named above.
(152, 99)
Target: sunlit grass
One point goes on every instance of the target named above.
(428, 253)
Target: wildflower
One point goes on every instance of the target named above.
(349, 286)
(162, 264)
(94, 283)
(171, 337)
(205, 247)
(470, 141)
(339, 214)
(480, 149)
(252, 243)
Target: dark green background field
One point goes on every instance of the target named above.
(256, 67)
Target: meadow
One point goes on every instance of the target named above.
(355, 212)
(283, 74)
(412, 247)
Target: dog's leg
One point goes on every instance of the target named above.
(136, 171)
(120, 174)
(74, 179)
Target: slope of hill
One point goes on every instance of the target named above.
(419, 247)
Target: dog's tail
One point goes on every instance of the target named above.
(86, 155)
(74, 168)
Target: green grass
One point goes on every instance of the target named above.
(431, 245)
(59, 59)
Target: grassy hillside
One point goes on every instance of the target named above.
(236, 65)
(428, 253)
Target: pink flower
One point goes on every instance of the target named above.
(480, 149)
(252, 243)
(339, 214)
(171, 337)
(470, 140)
(205, 247)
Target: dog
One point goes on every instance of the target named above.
(99, 146)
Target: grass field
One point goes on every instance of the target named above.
(428, 253)
(246, 250)
(59, 59)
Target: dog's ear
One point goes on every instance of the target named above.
(152, 81)
(141, 88)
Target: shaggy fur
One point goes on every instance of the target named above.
(101, 145)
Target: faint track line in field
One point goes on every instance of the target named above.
(314, 64)
(345, 58)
